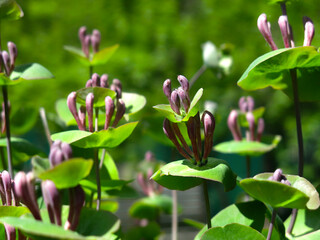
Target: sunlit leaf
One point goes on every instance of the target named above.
(79, 55)
(134, 102)
(31, 71)
(103, 55)
(13, 211)
(99, 94)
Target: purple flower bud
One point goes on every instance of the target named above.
(6, 62)
(59, 152)
(3, 117)
(85, 46)
(167, 89)
(82, 116)
(72, 105)
(13, 52)
(260, 129)
(250, 102)
(308, 31)
(6, 180)
(89, 107)
(95, 80)
(250, 119)
(66, 150)
(209, 126)
(52, 200)
(95, 40)
(10, 232)
(277, 175)
(178, 133)
(89, 83)
(121, 109)
(2, 191)
(184, 83)
(142, 182)
(104, 81)
(82, 34)
(233, 125)
(284, 28)
(77, 200)
(184, 98)
(175, 101)
(149, 156)
(264, 28)
(192, 133)
(109, 111)
(117, 87)
(243, 105)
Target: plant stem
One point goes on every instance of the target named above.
(103, 154)
(8, 135)
(174, 226)
(292, 221)
(90, 71)
(274, 214)
(195, 77)
(96, 165)
(45, 125)
(206, 199)
(248, 161)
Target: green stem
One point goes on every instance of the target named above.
(96, 165)
(195, 77)
(206, 199)
(274, 214)
(45, 125)
(174, 226)
(248, 162)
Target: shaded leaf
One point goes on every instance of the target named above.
(39, 165)
(110, 166)
(31, 71)
(77, 52)
(10, 10)
(106, 185)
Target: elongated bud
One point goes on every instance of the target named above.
(308, 31)
(89, 83)
(250, 102)
(250, 119)
(13, 52)
(192, 133)
(95, 40)
(66, 150)
(77, 200)
(260, 129)
(178, 133)
(243, 105)
(24, 190)
(2, 191)
(167, 89)
(51, 198)
(184, 82)
(175, 101)
(82, 116)
(233, 125)
(3, 117)
(95, 80)
(82, 34)
(72, 105)
(10, 232)
(121, 109)
(184, 98)
(264, 28)
(89, 107)
(117, 87)
(6, 62)
(85, 46)
(284, 28)
(209, 126)
(104, 81)
(6, 180)
(142, 182)
(109, 111)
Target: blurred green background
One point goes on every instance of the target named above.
(160, 40)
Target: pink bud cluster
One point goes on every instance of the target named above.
(86, 40)
(286, 31)
(254, 133)
(7, 59)
(279, 177)
(180, 97)
(114, 110)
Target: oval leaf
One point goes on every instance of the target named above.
(182, 174)
(31, 71)
(134, 102)
(77, 52)
(103, 55)
(109, 138)
(99, 95)
(69, 173)
(13, 211)
(232, 231)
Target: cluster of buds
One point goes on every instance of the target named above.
(86, 40)
(149, 186)
(255, 131)
(3, 117)
(286, 31)
(7, 59)
(25, 191)
(113, 109)
(197, 155)
(279, 177)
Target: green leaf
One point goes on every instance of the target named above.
(301, 184)
(193, 223)
(106, 185)
(232, 231)
(274, 193)
(13, 211)
(99, 95)
(166, 111)
(247, 148)
(10, 10)
(21, 125)
(281, 1)
(69, 173)
(272, 69)
(64, 112)
(151, 231)
(240, 213)
(6, 81)
(77, 52)
(103, 55)
(134, 102)
(182, 174)
(39, 165)
(110, 166)
(109, 138)
(31, 71)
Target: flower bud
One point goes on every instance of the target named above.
(250, 119)
(192, 133)
(142, 183)
(233, 125)
(77, 199)
(51, 198)
(104, 81)
(89, 107)
(95, 80)
(95, 40)
(284, 28)
(117, 87)
(6, 62)
(264, 28)
(10, 232)
(285, 181)
(109, 111)
(250, 102)
(82, 116)
(183, 82)
(13, 52)
(308, 31)
(59, 152)
(66, 150)
(72, 105)
(89, 83)
(82, 34)
(167, 89)
(6, 180)
(149, 156)
(121, 109)
(209, 126)
(277, 175)
(184, 98)
(2, 191)
(175, 102)
(85, 46)
(243, 105)
(260, 129)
